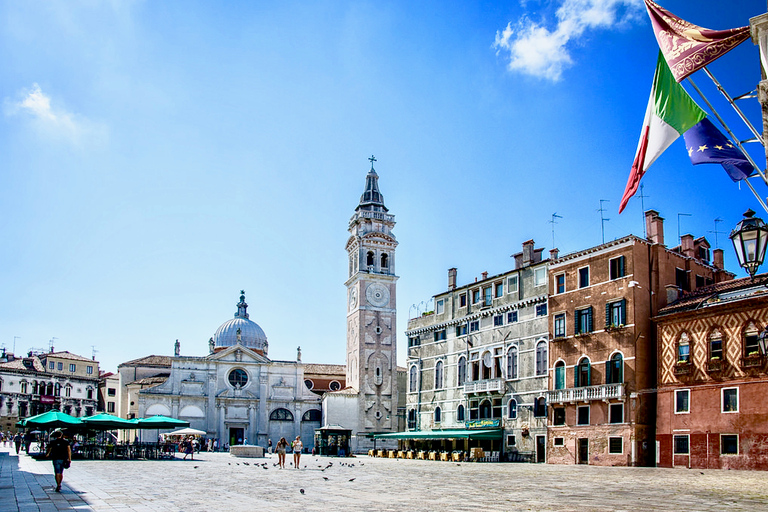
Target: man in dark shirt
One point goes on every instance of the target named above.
(61, 454)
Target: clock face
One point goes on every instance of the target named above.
(377, 294)
(352, 298)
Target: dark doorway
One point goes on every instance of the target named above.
(583, 451)
(541, 448)
(236, 436)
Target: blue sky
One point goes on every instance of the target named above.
(157, 157)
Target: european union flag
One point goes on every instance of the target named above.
(706, 145)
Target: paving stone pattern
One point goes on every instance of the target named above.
(217, 481)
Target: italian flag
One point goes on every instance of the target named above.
(670, 113)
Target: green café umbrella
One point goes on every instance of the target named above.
(104, 421)
(52, 419)
(159, 422)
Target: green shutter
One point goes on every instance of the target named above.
(623, 311)
(608, 372)
(607, 315)
(589, 319)
(576, 376)
(621, 266)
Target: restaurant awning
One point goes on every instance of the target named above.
(495, 433)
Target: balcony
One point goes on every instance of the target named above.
(485, 386)
(752, 361)
(586, 393)
(683, 368)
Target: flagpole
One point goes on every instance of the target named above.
(762, 203)
(720, 88)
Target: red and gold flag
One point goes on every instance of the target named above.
(688, 47)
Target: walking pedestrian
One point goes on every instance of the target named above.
(189, 449)
(17, 442)
(297, 447)
(269, 447)
(282, 445)
(61, 454)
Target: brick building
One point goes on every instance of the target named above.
(712, 378)
(603, 350)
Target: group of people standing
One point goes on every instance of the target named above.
(282, 446)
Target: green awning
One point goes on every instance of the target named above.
(495, 433)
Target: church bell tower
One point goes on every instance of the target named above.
(371, 310)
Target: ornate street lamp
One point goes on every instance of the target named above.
(762, 341)
(749, 239)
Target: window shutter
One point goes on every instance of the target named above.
(589, 375)
(621, 267)
(576, 376)
(607, 315)
(589, 319)
(608, 368)
(623, 311)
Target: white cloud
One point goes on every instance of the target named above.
(35, 107)
(538, 51)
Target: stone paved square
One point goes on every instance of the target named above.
(218, 481)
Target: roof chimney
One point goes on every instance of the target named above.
(527, 252)
(452, 278)
(553, 253)
(686, 245)
(485, 275)
(717, 259)
(654, 227)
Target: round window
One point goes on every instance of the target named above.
(309, 384)
(238, 378)
(335, 386)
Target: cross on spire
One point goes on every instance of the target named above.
(372, 159)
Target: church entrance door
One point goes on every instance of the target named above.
(236, 436)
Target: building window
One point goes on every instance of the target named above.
(541, 358)
(681, 279)
(512, 409)
(384, 260)
(312, 415)
(72, 367)
(558, 441)
(614, 369)
(559, 325)
(462, 300)
(440, 335)
(57, 390)
(440, 307)
(510, 440)
(461, 371)
(488, 292)
(460, 413)
(89, 370)
(89, 394)
(512, 317)
(682, 401)
(68, 391)
(540, 407)
(411, 419)
(616, 268)
(512, 284)
(583, 415)
(683, 349)
(729, 444)
(414, 341)
(499, 289)
(413, 376)
(616, 445)
(560, 283)
(281, 415)
(560, 375)
(23, 388)
(51, 365)
(438, 415)
(583, 277)
(309, 383)
(715, 345)
(681, 445)
(616, 314)
(60, 366)
(111, 392)
(751, 337)
(583, 373)
(335, 385)
(558, 416)
(475, 296)
(539, 276)
(238, 378)
(730, 399)
(582, 320)
(461, 330)
(498, 320)
(512, 363)
(474, 325)
(439, 375)
(616, 413)
(541, 310)
(110, 406)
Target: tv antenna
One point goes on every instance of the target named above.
(603, 220)
(716, 232)
(553, 222)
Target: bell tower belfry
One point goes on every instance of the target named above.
(371, 310)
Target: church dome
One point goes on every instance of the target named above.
(241, 329)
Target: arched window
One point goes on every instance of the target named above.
(281, 415)
(715, 345)
(512, 363)
(24, 387)
(540, 407)
(67, 391)
(751, 337)
(541, 358)
(439, 375)
(462, 371)
(89, 393)
(614, 369)
(512, 409)
(57, 390)
(411, 419)
(438, 415)
(486, 410)
(312, 415)
(49, 389)
(371, 259)
(460, 413)
(582, 376)
(683, 349)
(384, 260)
(413, 376)
(560, 375)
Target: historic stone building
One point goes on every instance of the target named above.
(479, 359)
(713, 379)
(603, 349)
(41, 382)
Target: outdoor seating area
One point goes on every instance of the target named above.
(474, 455)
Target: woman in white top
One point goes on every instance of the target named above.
(297, 447)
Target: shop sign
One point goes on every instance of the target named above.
(484, 424)
(47, 399)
